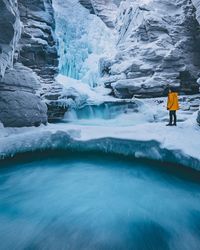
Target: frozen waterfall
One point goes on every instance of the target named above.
(83, 39)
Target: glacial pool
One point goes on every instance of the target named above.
(90, 201)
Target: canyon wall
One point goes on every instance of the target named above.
(28, 60)
(158, 45)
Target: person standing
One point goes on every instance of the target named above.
(172, 106)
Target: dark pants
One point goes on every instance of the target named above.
(172, 117)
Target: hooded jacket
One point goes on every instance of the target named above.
(172, 102)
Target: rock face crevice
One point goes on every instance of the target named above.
(28, 60)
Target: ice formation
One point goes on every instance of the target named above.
(83, 39)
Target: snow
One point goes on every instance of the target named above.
(83, 92)
(127, 134)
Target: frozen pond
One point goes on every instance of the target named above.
(97, 202)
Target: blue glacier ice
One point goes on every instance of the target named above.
(83, 39)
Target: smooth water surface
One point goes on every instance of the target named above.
(97, 203)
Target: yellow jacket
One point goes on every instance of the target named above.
(172, 102)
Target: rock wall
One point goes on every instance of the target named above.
(19, 104)
(197, 6)
(37, 45)
(10, 30)
(105, 9)
(158, 45)
(28, 60)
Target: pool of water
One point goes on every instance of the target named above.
(97, 202)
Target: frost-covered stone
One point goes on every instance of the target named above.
(9, 33)
(198, 117)
(105, 9)
(19, 105)
(197, 6)
(158, 45)
(27, 36)
(38, 44)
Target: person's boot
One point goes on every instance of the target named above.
(174, 124)
(169, 124)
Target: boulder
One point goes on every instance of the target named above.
(19, 104)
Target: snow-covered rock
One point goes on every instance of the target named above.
(38, 43)
(157, 45)
(10, 30)
(26, 37)
(198, 118)
(197, 6)
(19, 104)
(105, 9)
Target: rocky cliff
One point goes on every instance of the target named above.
(158, 45)
(10, 31)
(28, 60)
(104, 9)
(197, 6)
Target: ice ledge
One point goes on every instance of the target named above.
(71, 141)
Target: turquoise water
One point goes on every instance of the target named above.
(97, 202)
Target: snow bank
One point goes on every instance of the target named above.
(151, 141)
(76, 94)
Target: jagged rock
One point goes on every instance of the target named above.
(105, 9)
(9, 33)
(198, 118)
(36, 50)
(157, 46)
(56, 111)
(88, 5)
(38, 44)
(19, 105)
(197, 6)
